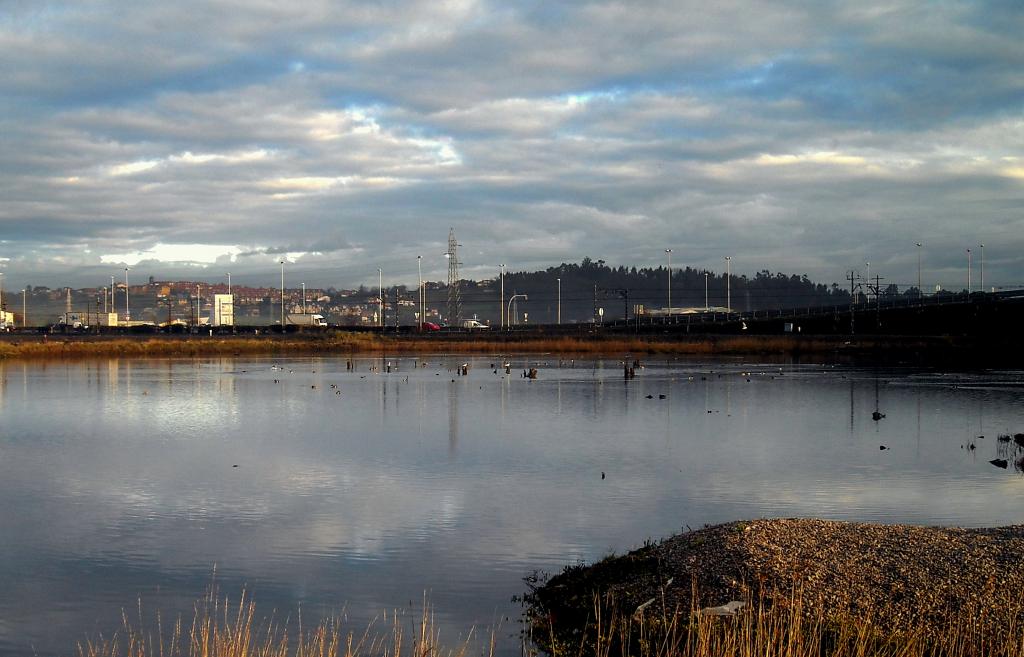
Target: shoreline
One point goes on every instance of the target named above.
(899, 580)
(915, 350)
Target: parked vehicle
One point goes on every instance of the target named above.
(429, 326)
(306, 319)
(473, 325)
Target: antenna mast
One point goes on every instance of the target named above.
(454, 296)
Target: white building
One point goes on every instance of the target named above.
(222, 310)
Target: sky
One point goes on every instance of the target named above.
(191, 139)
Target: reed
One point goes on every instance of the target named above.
(223, 628)
(760, 630)
(340, 342)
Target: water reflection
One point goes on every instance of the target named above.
(361, 488)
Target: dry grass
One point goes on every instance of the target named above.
(221, 628)
(340, 342)
(761, 630)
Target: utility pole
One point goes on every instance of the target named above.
(559, 301)
(396, 309)
(878, 310)
(282, 296)
(303, 298)
(852, 277)
(504, 319)
(595, 304)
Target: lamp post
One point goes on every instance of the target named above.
(919, 292)
(706, 307)
(127, 311)
(199, 303)
(419, 273)
(559, 301)
(501, 305)
(380, 296)
(982, 246)
(968, 272)
(669, 252)
(728, 284)
(282, 296)
(24, 308)
(303, 298)
(510, 300)
(113, 305)
(229, 282)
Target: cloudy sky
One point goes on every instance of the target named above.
(189, 139)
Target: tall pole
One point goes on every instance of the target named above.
(229, 282)
(504, 319)
(968, 271)
(282, 296)
(728, 284)
(706, 307)
(113, 308)
(419, 272)
(127, 312)
(24, 308)
(919, 291)
(380, 296)
(669, 252)
(982, 267)
(199, 304)
(303, 298)
(559, 301)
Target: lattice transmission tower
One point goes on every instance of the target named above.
(454, 295)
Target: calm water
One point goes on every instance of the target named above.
(118, 480)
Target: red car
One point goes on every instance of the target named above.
(429, 326)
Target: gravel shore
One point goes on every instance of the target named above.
(899, 578)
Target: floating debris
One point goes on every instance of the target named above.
(728, 609)
(1000, 463)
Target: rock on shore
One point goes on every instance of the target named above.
(897, 577)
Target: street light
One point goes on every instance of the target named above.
(282, 296)
(229, 282)
(510, 300)
(419, 271)
(559, 301)
(728, 284)
(24, 308)
(706, 307)
(982, 267)
(501, 306)
(968, 271)
(127, 312)
(919, 292)
(669, 252)
(380, 296)
(303, 298)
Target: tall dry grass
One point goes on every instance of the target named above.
(367, 343)
(760, 630)
(222, 628)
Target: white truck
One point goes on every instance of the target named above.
(473, 325)
(305, 319)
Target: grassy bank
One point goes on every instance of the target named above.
(338, 342)
(221, 628)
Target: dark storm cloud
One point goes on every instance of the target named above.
(195, 136)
